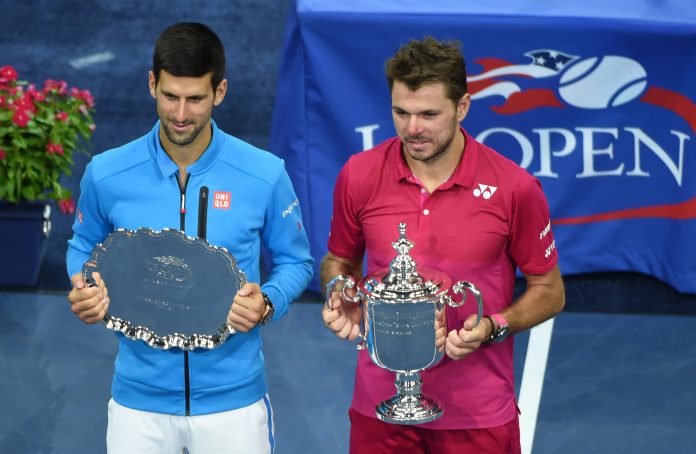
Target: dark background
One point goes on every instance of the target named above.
(43, 39)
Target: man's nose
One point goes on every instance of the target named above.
(414, 125)
(181, 110)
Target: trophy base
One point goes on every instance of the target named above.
(409, 409)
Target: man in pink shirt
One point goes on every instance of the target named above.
(473, 215)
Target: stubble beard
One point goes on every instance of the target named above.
(438, 154)
(183, 139)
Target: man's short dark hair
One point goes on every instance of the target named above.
(189, 49)
(427, 61)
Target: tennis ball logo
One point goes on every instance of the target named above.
(597, 83)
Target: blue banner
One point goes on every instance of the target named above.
(600, 108)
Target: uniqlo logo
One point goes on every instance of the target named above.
(222, 200)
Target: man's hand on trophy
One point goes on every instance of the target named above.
(89, 304)
(440, 334)
(468, 339)
(247, 308)
(344, 318)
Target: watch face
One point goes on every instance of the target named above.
(502, 333)
(268, 312)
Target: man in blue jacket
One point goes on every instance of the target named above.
(203, 400)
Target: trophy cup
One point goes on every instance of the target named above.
(399, 317)
(166, 289)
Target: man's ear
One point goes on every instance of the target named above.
(152, 83)
(220, 92)
(463, 107)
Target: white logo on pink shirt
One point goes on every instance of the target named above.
(550, 249)
(484, 191)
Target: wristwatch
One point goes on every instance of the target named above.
(499, 334)
(268, 311)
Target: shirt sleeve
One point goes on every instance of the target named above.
(285, 237)
(90, 227)
(346, 237)
(532, 245)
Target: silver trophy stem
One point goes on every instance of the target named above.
(409, 405)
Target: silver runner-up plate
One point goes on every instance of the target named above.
(166, 289)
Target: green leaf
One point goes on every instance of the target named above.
(19, 142)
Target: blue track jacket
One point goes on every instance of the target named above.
(135, 186)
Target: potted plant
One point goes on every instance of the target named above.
(40, 129)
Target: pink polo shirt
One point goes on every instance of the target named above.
(490, 217)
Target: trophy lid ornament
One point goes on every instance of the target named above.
(402, 281)
(402, 269)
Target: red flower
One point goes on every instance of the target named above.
(88, 98)
(53, 85)
(7, 74)
(25, 103)
(62, 116)
(2, 154)
(84, 95)
(20, 118)
(54, 148)
(36, 95)
(67, 206)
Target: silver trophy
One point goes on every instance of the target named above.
(400, 312)
(166, 289)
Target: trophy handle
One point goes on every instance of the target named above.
(348, 282)
(460, 288)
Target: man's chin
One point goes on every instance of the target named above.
(180, 139)
(419, 155)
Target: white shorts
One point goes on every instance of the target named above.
(244, 430)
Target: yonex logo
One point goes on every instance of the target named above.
(550, 249)
(484, 191)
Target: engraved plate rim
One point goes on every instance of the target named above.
(141, 333)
